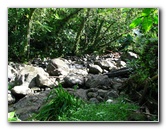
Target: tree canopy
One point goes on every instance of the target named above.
(54, 32)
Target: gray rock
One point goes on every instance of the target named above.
(92, 94)
(44, 81)
(74, 79)
(97, 81)
(57, 67)
(11, 98)
(105, 64)
(99, 98)
(11, 73)
(28, 105)
(117, 86)
(93, 100)
(26, 80)
(21, 90)
(95, 69)
(79, 71)
(102, 93)
(111, 94)
(27, 73)
(80, 93)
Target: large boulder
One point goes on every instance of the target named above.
(28, 105)
(44, 81)
(57, 67)
(29, 77)
(27, 73)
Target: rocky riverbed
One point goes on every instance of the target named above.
(92, 78)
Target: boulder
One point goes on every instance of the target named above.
(21, 90)
(28, 105)
(111, 95)
(27, 73)
(43, 81)
(57, 67)
(92, 94)
(80, 93)
(95, 69)
(74, 79)
(79, 71)
(105, 64)
(97, 81)
(93, 100)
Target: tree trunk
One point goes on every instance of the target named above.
(80, 32)
(27, 43)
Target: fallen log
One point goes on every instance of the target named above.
(123, 72)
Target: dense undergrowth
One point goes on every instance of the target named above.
(60, 105)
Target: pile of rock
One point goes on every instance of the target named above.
(31, 83)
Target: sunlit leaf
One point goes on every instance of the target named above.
(136, 22)
(57, 16)
(147, 24)
(11, 114)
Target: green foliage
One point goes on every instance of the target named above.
(146, 66)
(147, 19)
(10, 87)
(146, 45)
(58, 104)
(119, 111)
(12, 117)
(65, 107)
(54, 32)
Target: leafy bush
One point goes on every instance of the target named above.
(59, 103)
(65, 107)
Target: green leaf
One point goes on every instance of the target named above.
(57, 16)
(155, 19)
(11, 114)
(146, 12)
(136, 22)
(44, 26)
(147, 24)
